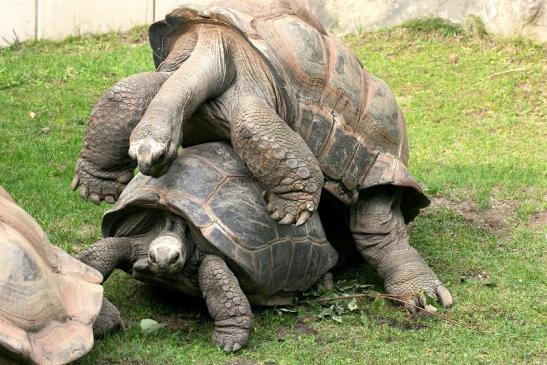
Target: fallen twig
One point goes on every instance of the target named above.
(520, 69)
(385, 296)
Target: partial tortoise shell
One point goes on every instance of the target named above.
(48, 299)
(210, 187)
(348, 117)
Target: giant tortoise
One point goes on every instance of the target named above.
(202, 230)
(49, 301)
(299, 109)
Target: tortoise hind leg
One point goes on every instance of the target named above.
(226, 302)
(279, 158)
(326, 282)
(379, 231)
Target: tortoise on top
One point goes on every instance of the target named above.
(48, 300)
(298, 107)
(201, 229)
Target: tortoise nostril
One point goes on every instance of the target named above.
(160, 156)
(175, 257)
(145, 168)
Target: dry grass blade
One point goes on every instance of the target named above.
(520, 69)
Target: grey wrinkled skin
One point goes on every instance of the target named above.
(202, 230)
(380, 235)
(227, 304)
(104, 169)
(109, 320)
(298, 108)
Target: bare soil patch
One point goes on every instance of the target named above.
(497, 218)
(247, 362)
(538, 220)
(404, 324)
(299, 328)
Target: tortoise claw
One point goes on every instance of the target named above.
(444, 296)
(419, 305)
(303, 218)
(288, 219)
(236, 347)
(290, 207)
(412, 306)
(84, 191)
(98, 185)
(95, 199)
(75, 182)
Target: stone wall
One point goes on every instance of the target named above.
(503, 17)
(57, 19)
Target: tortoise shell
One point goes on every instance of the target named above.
(349, 118)
(211, 189)
(48, 299)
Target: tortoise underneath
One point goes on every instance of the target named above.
(202, 229)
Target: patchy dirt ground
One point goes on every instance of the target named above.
(300, 328)
(538, 220)
(247, 362)
(497, 218)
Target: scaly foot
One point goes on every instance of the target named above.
(233, 333)
(97, 185)
(413, 281)
(153, 157)
(292, 207)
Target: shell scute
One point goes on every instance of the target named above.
(201, 180)
(320, 130)
(239, 208)
(301, 52)
(223, 158)
(301, 255)
(338, 152)
(345, 88)
(282, 260)
(193, 210)
(221, 242)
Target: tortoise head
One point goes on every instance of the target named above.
(167, 253)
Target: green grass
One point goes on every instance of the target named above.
(476, 114)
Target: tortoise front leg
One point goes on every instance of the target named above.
(204, 75)
(105, 256)
(279, 158)
(104, 167)
(108, 320)
(108, 254)
(226, 302)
